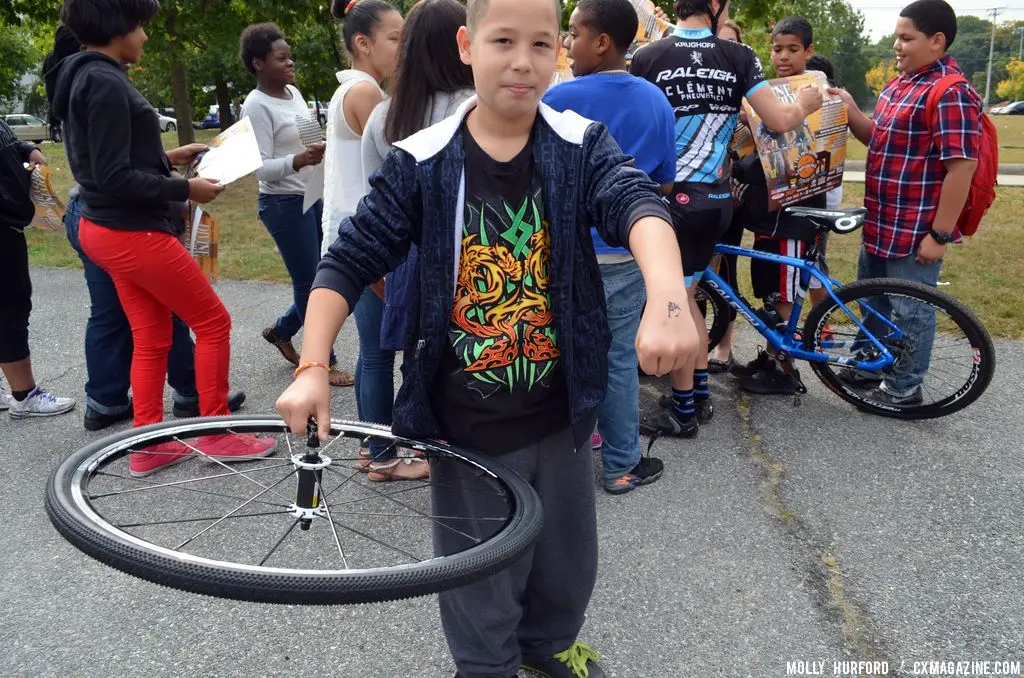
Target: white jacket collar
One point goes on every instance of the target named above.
(428, 142)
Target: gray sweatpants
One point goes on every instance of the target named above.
(536, 607)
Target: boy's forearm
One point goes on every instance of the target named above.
(860, 125)
(326, 312)
(653, 244)
(955, 188)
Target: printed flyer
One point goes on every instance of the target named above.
(810, 159)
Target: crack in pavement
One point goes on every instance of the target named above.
(822, 565)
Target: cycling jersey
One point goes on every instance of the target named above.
(705, 79)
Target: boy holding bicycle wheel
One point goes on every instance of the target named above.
(508, 351)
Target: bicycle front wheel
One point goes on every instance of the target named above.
(229, 530)
(944, 357)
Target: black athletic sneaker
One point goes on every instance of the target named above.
(705, 410)
(771, 382)
(579, 661)
(191, 409)
(856, 378)
(645, 472)
(762, 362)
(671, 424)
(97, 421)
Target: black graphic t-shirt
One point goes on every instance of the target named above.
(705, 79)
(500, 386)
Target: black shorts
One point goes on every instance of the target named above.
(701, 214)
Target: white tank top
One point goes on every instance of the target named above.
(343, 165)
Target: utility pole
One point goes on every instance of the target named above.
(995, 12)
(1020, 52)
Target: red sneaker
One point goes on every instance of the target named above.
(156, 457)
(228, 447)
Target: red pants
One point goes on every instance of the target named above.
(156, 276)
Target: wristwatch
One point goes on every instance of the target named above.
(942, 238)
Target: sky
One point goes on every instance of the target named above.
(880, 15)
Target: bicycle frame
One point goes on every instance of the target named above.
(788, 341)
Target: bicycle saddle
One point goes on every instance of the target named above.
(840, 221)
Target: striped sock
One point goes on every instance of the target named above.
(700, 386)
(684, 407)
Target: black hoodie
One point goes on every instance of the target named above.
(112, 140)
(16, 208)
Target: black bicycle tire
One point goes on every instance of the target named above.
(218, 579)
(973, 329)
(720, 324)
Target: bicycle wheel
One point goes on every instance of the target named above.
(716, 313)
(923, 328)
(228, 531)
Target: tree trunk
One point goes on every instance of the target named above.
(182, 103)
(179, 84)
(227, 118)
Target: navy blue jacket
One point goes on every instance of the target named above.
(418, 196)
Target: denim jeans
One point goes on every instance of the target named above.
(297, 237)
(618, 418)
(375, 369)
(915, 319)
(108, 340)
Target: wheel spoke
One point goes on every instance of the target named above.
(406, 506)
(238, 508)
(197, 520)
(195, 490)
(330, 520)
(279, 541)
(178, 482)
(218, 461)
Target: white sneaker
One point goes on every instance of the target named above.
(40, 403)
(5, 399)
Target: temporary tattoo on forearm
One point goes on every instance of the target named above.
(673, 310)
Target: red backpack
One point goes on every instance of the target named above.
(983, 185)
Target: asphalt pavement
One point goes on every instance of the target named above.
(782, 534)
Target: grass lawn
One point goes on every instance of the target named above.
(983, 273)
(1011, 140)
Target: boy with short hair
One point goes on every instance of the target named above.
(600, 34)
(502, 192)
(705, 80)
(908, 225)
(776, 233)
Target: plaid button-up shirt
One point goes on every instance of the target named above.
(905, 167)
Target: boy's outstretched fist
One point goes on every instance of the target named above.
(667, 339)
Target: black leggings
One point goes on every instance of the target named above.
(15, 295)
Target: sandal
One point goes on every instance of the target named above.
(406, 466)
(364, 459)
(339, 377)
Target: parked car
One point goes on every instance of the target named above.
(212, 119)
(318, 114)
(1016, 108)
(28, 127)
(167, 124)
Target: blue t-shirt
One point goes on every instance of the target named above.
(637, 115)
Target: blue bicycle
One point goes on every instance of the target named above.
(887, 346)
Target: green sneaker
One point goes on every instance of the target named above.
(579, 661)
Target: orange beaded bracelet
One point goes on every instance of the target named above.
(305, 366)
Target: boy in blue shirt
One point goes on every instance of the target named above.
(640, 119)
(499, 197)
